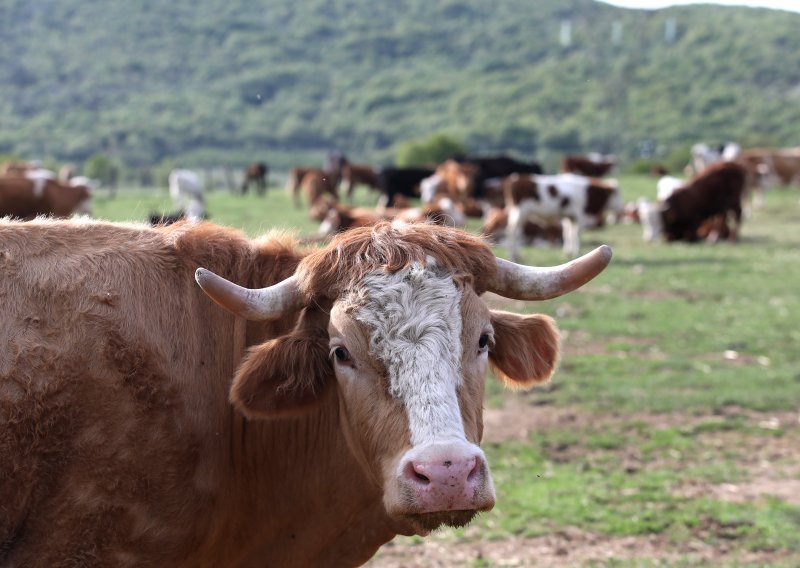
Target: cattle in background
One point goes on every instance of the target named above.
(187, 195)
(26, 198)
(495, 228)
(256, 173)
(589, 166)
(704, 156)
(576, 202)
(293, 181)
(316, 184)
(359, 174)
(334, 402)
(496, 167)
(395, 181)
(717, 192)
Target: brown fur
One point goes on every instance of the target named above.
(329, 272)
(317, 183)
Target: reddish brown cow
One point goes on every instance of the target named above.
(315, 184)
(717, 191)
(24, 198)
(584, 166)
(335, 402)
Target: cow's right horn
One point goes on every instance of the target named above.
(534, 283)
(252, 304)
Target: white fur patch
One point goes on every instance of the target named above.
(415, 321)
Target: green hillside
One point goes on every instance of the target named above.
(230, 81)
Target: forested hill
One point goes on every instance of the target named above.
(235, 80)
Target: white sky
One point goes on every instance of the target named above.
(792, 5)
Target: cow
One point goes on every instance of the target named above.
(576, 202)
(396, 181)
(317, 184)
(717, 191)
(473, 177)
(496, 223)
(598, 167)
(297, 408)
(359, 174)
(26, 198)
(186, 192)
(704, 156)
(256, 173)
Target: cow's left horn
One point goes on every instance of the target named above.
(253, 304)
(534, 283)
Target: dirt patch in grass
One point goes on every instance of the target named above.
(570, 547)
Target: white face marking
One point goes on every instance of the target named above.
(415, 321)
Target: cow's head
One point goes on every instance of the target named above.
(392, 320)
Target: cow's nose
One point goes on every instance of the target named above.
(443, 480)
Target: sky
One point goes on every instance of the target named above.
(791, 5)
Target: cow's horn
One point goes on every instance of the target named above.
(534, 283)
(253, 304)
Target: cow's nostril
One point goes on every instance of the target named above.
(476, 472)
(415, 472)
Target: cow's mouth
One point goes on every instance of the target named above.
(427, 522)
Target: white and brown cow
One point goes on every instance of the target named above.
(334, 403)
(576, 202)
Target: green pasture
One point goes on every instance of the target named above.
(681, 364)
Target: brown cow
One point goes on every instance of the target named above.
(294, 180)
(586, 166)
(256, 173)
(339, 404)
(25, 198)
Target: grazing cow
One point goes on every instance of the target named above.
(186, 192)
(256, 173)
(359, 174)
(26, 198)
(717, 191)
(400, 181)
(335, 402)
(576, 202)
(586, 166)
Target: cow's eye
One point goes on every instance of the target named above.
(483, 342)
(342, 355)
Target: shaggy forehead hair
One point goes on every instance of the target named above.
(354, 254)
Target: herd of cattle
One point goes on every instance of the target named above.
(517, 202)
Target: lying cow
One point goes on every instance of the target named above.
(335, 402)
(717, 191)
(24, 198)
(576, 202)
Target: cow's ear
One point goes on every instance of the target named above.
(526, 348)
(286, 376)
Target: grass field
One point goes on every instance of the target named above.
(670, 435)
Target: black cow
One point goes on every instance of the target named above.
(402, 181)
